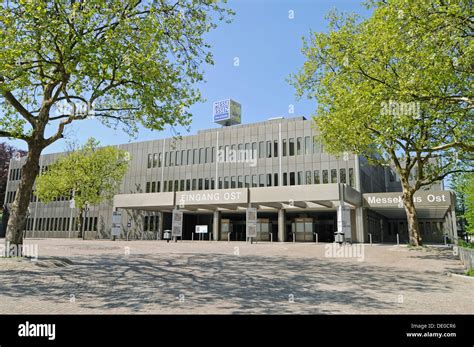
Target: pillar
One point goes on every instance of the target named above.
(361, 230)
(216, 225)
(281, 225)
(160, 226)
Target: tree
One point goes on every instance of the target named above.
(7, 152)
(89, 176)
(397, 88)
(124, 62)
(463, 185)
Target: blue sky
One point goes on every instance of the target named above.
(268, 45)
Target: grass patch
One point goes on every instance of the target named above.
(464, 244)
(470, 273)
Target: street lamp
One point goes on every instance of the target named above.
(86, 209)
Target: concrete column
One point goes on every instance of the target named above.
(454, 225)
(361, 230)
(160, 225)
(281, 225)
(216, 226)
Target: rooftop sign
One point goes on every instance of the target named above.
(227, 112)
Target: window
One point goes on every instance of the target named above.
(247, 181)
(150, 161)
(269, 180)
(342, 175)
(275, 148)
(254, 151)
(213, 183)
(261, 180)
(166, 159)
(202, 156)
(208, 155)
(292, 178)
(391, 175)
(261, 149)
(153, 187)
(213, 154)
(160, 158)
(307, 145)
(177, 161)
(147, 187)
(285, 179)
(351, 177)
(195, 156)
(194, 184)
(292, 147)
(233, 182)
(333, 176)
(308, 177)
(176, 185)
(227, 152)
(220, 183)
(240, 181)
(200, 187)
(316, 177)
(155, 159)
(158, 186)
(181, 185)
(171, 163)
(189, 157)
(188, 184)
(254, 181)
(300, 177)
(298, 146)
(226, 182)
(284, 147)
(206, 183)
(183, 157)
(165, 186)
(325, 176)
(269, 149)
(275, 179)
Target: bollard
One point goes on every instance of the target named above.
(317, 237)
(228, 237)
(294, 237)
(192, 236)
(370, 239)
(271, 237)
(398, 240)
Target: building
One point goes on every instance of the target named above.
(275, 166)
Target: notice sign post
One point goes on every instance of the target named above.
(344, 221)
(201, 230)
(177, 226)
(116, 224)
(251, 219)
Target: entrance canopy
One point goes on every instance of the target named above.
(430, 205)
(313, 197)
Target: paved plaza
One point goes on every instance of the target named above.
(202, 277)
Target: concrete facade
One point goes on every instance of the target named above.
(276, 166)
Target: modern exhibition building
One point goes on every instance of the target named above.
(278, 167)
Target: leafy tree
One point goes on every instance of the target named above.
(125, 62)
(397, 88)
(463, 185)
(90, 176)
(6, 154)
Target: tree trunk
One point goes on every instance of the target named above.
(19, 208)
(412, 219)
(80, 224)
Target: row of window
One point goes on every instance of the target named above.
(261, 149)
(61, 224)
(150, 223)
(15, 174)
(11, 197)
(262, 180)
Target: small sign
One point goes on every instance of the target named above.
(116, 217)
(72, 203)
(177, 225)
(201, 229)
(227, 112)
(251, 219)
(129, 225)
(116, 229)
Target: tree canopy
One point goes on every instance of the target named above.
(90, 175)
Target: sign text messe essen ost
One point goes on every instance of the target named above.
(395, 199)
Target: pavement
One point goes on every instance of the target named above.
(203, 277)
